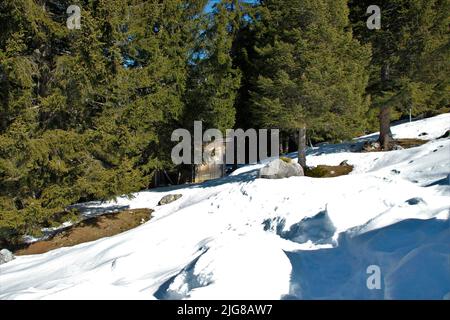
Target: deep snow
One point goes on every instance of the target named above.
(245, 238)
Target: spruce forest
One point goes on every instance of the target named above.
(87, 113)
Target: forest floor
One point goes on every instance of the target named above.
(90, 230)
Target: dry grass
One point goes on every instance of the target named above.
(91, 230)
(409, 143)
(323, 171)
(404, 143)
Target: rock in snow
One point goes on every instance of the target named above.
(397, 147)
(169, 199)
(6, 256)
(279, 169)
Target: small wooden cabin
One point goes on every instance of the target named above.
(214, 166)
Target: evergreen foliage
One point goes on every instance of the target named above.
(311, 72)
(87, 114)
(413, 47)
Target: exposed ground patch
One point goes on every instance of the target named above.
(374, 146)
(409, 143)
(323, 171)
(91, 230)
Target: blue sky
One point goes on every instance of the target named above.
(212, 2)
(210, 5)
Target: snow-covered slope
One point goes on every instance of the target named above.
(245, 238)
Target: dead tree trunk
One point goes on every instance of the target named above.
(302, 147)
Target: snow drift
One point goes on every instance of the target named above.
(246, 238)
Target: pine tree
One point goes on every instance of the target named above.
(409, 67)
(86, 113)
(244, 57)
(311, 70)
(214, 80)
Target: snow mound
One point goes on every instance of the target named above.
(246, 238)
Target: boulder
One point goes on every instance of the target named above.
(371, 146)
(6, 256)
(446, 135)
(397, 147)
(279, 169)
(169, 199)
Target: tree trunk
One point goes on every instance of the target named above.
(302, 147)
(156, 178)
(385, 112)
(385, 127)
(281, 143)
(286, 143)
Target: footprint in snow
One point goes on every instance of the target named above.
(113, 264)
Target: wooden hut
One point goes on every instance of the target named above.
(213, 167)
